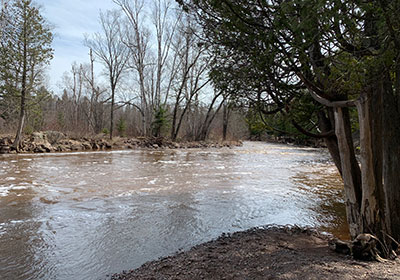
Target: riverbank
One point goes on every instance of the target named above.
(300, 142)
(264, 253)
(52, 141)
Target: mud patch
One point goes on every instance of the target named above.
(264, 253)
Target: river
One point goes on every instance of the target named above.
(87, 215)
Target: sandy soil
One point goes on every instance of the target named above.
(264, 253)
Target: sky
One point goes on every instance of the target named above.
(71, 19)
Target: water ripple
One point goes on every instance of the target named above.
(85, 215)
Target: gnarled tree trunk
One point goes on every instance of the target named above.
(326, 123)
(350, 170)
(373, 197)
(391, 155)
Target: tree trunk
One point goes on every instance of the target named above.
(372, 192)
(350, 170)
(326, 124)
(205, 127)
(174, 132)
(22, 113)
(225, 121)
(144, 123)
(373, 196)
(391, 156)
(21, 124)
(112, 111)
(93, 92)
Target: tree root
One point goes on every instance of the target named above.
(363, 247)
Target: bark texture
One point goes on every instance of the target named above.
(351, 173)
(373, 197)
(391, 156)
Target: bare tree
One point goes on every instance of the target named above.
(73, 87)
(227, 109)
(212, 111)
(112, 52)
(95, 94)
(83, 99)
(136, 38)
(191, 78)
(154, 65)
(166, 25)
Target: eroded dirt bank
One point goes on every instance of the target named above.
(53, 141)
(264, 253)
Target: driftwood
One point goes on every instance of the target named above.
(363, 247)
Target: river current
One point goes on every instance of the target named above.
(87, 215)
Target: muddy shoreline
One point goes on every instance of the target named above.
(263, 253)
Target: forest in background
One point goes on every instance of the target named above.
(155, 79)
(325, 68)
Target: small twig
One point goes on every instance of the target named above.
(391, 238)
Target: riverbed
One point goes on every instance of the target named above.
(88, 214)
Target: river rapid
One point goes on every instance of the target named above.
(87, 215)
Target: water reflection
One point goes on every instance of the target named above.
(322, 184)
(85, 215)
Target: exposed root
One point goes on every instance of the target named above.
(364, 247)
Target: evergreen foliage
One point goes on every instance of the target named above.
(160, 121)
(310, 60)
(121, 127)
(25, 50)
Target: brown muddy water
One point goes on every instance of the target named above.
(88, 215)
